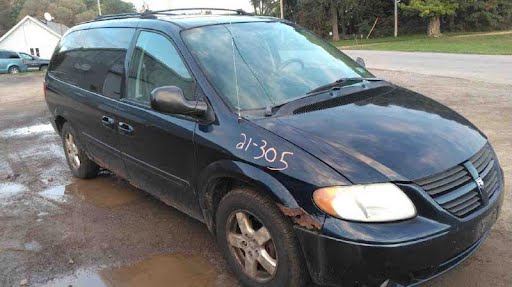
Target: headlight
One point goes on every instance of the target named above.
(380, 202)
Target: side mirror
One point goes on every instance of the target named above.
(361, 62)
(170, 99)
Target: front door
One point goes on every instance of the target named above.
(158, 149)
(29, 60)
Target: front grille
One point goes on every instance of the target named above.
(456, 189)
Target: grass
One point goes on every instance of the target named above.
(467, 43)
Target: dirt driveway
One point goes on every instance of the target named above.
(59, 231)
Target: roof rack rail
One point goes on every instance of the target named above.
(166, 11)
(149, 14)
(145, 14)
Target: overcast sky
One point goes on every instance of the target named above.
(168, 4)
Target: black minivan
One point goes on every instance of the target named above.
(303, 165)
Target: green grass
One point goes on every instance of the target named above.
(470, 43)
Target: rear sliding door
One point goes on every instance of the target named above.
(87, 72)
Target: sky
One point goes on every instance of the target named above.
(169, 4)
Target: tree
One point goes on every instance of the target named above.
(115, 6)
(65, 11)
(334, 21)
(266, 7)
(433, 10)
(4, 16)
(34, 8)
(68, 12)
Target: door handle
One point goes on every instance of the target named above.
(125, 128)
(108, 122)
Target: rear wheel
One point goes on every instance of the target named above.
(258, 242)
(14, 70)
(81, 166)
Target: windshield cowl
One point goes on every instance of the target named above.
(349, 94)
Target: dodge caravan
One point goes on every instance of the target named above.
(302, 164)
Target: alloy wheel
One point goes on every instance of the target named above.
(72, 151)
(252, 246)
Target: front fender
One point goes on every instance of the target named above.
(245, 172)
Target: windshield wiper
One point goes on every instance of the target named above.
(338, 83)
(270, 110)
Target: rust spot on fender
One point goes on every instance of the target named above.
(301, 217)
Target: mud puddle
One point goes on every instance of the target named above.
(160, 270)
(105, 191)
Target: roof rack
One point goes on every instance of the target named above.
(149, 14)
(144, 14)
(166, 11)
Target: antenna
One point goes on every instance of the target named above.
(48, 17)
(234, 67)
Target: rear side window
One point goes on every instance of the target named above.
(9, 55)
(93, 59)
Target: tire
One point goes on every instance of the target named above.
(43, 68)
(14, 70)
(79, 163)
(283, 246)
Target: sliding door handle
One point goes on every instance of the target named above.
(125, 128)
(108, 122)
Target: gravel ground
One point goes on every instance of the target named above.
(56, 230)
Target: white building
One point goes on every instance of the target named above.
(33, 36)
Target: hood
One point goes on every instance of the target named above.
(382, 134)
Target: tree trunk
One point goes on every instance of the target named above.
(342, 24)
(434, 26)
(335, 33)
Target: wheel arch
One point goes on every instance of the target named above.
(13, 65)
(217, 179)
(60, 117)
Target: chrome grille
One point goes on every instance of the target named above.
(456, 189)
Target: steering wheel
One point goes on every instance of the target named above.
(286, 63)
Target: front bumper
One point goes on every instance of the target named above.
(334, 260)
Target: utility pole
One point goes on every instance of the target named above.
(396, 17)
(282, 8)
(99, 7)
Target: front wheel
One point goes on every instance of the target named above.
(258, 242)
(43, 68)
(81, 166)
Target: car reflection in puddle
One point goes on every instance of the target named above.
(105, 191)
(160, 270)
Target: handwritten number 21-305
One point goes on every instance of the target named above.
(270, 154)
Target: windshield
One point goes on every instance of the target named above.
(275, 62)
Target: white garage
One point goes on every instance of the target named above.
(33, 36)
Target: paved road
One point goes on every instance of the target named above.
(488, 68)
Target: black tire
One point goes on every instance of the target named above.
(291, 269)
(85, 168)
(43, 68)
(14, 70)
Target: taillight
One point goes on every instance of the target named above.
(24, 61)
(44, 89)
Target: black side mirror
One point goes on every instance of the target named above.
(361, 62)
(170, 99)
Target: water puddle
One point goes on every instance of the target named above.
(161, 270)
(27, 131)
(104, 191)
(9, 189)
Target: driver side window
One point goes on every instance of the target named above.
(156, 63)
